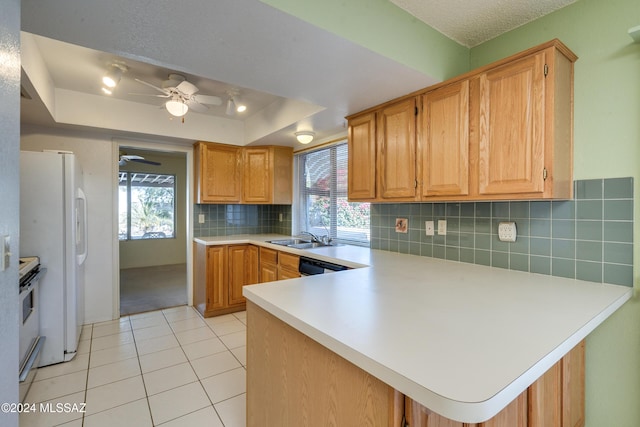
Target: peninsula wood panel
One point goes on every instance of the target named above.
(444, 146)
(573, 385)
(362, 157)
(396, 141)
(294, 381)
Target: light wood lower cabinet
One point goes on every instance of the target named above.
(220, 272)
(293, 380)
(288, 265)
(268, 265)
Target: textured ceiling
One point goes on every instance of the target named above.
(472, 22)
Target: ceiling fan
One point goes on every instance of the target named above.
(124, 158)
(182, 96)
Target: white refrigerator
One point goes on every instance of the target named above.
(53, 226)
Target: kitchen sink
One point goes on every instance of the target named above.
(300, 243)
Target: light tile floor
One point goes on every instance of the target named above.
(164, 368)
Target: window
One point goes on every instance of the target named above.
(146, 204)
(321, 205)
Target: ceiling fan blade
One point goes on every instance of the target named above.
(149, 94)
(148, 162)
(159, 89)
(131, 157)
(195, 106)
(208, 99)
(187, 88)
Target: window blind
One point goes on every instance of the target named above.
(320, 203)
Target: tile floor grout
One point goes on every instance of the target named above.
(180, 334)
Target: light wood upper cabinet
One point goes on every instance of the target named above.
(362, 157)
(396, 142)
(218, 171)
(268, 174)
(253, 175)
(444, 146)
(511, 128)
(501, 132)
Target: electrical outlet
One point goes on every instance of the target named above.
(507, 231)
(442, 227)
(200, 218)
(280, 217)
(428, 228)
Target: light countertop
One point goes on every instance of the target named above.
(461, 339)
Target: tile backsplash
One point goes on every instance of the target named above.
(588, 238)
(225, 220)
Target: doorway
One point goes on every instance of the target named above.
(152, 229)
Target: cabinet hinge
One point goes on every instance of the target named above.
(546, 70)
(544, 174)
(415, 183)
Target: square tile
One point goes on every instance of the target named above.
(113, 354)
(114, 394)
(113, 372)
(618, 274)
(162, 359)
(241, 354)
(233, 412)
(180, 313)
(152, 332)
(193, 335)
(111, 341)
(186, 324)
(177, 402)
(62, 385)
(84, 347)
(149, 321)
(135, 413)
(618, 188)
(157, 344)
(110, 328)
(214, 364)
(589, 189)
(165, 379)
(229, 327)
(203, 417)
(203, 348)
(226, 385)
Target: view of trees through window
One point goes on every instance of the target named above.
(146, 204)
(324, 208)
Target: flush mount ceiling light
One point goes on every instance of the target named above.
(305, 137)
(177, 108)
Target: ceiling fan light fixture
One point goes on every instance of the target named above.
(305, 137)
(176, 108)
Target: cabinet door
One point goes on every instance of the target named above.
(512, 128)
(396, 138)
(258, 175)
(362, 157)
(219, 173)
(216, 277)
(268, 272)
(444, 148)
(243, 270)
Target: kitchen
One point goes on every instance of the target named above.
(604, 148)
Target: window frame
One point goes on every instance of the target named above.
(128, 237)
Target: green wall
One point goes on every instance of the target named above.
(607, 132)
(607, 145)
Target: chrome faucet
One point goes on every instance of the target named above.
(314, 238)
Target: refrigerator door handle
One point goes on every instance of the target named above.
(81, 222)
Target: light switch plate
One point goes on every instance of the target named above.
(429, 228)
(200, 218)
(442, 227)
(507, 232)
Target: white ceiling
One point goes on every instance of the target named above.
(472, 22)
(291, 74)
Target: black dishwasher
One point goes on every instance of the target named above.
(310, 267)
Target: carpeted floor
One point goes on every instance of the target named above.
(152, 288)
